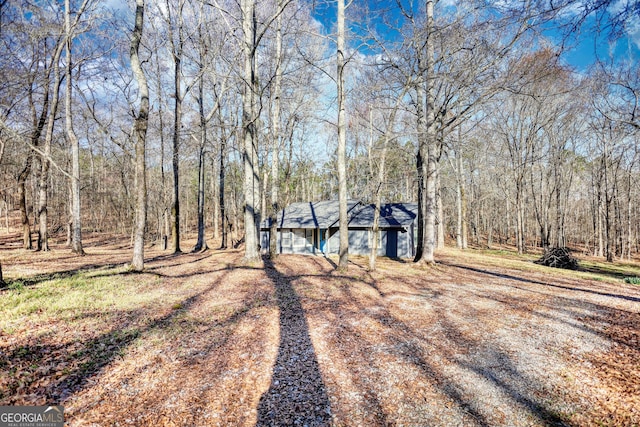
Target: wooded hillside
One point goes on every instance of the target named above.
(471, 110)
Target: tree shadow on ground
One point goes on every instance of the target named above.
(464, 353)
(297, 394)
(604, 271)
(63, 274)
(538, 282)
(111, 269)
(39, 373)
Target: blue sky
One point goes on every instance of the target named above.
(587, 50)
(581, 51)
(591, 44)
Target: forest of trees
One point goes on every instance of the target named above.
(159, 119)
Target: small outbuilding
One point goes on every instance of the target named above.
(312, 228)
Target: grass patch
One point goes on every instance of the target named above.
(588, 269)
(616, 270)
(78, 296)
(632, 280)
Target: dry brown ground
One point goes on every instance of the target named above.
(208, 341)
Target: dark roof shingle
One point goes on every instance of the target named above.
(325, 214)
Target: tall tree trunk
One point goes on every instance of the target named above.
(607, 208)
(22, 202)
(276, 140)
(249, 134)
(139, 134)
(458, 206)
(263, 193)
(440, 219)
(461, 199)
(430, 209)
(427, 147)
(380, 180)
(465, 222)
(38, 127)
(629, 210)
(45, 163)
(223, 214)
(559, 211)
(201, 244)
(432, 166)
(421, 169)
(599, 227)
(76, 221)
(519, 220)
(342, 143)
(43, 187)
(540, 207)
(608, 232)
(215, 191)
(177, 123)
(165, 227)
(69, 241)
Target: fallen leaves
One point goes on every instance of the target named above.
(210, 341)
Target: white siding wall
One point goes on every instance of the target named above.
(301, 241)
(360, 243)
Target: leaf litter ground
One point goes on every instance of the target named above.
(205, 340)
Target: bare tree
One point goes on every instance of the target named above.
(45, 160)
(22, 77)
(34, 140)
(30, 55)
(177, 41)
(251, 188)
(387, 137)
(139, 134)
(342, 140)
(76, 240)
(215, 80)
(201, 243)
(252, 36)
(520, 122)
(276, 141)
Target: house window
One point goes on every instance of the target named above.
(309, 237)
(286, 239)
(299, 240)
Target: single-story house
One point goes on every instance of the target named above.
(312, 228)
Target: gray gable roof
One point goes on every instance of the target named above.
(325, 214)
(392, 215)
(309, 214)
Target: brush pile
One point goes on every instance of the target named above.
(558, 258)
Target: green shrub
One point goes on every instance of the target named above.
(632, 280)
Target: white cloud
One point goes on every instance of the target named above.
(632, 28)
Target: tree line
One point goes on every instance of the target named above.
(157, 119)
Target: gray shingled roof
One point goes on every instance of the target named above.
(392, 215)
(325, 214)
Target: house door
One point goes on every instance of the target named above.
(392, 243)
(323, 242)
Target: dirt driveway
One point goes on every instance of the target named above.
(203, 340)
